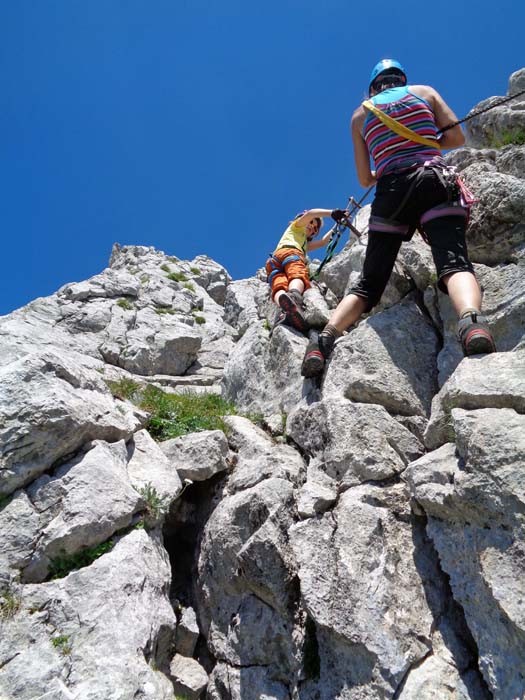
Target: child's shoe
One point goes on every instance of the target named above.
(290, 303)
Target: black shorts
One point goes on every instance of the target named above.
(445, 235)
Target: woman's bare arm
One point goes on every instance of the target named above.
(365, 175)
(452, 138)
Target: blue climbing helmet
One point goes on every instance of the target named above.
(386, 65)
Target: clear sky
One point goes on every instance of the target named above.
(203, 126)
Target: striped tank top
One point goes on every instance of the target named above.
(387, 148)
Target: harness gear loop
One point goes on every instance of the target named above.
(400, 129)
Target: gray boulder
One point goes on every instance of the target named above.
(389, 359)
(49, 408)
(376, 446)
(97, 633)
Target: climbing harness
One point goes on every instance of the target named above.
(500, 102)
(337, 230)
(278, 266)
(459, 199)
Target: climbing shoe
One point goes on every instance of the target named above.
(291, 304)
(327, 339)
(313, 361)
(474, 334)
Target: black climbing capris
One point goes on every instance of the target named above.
(445, 235)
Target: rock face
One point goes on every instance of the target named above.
(360, 537)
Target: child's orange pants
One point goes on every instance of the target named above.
(285, 265)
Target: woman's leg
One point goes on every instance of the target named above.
(464, 291)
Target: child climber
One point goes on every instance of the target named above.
(286, 267)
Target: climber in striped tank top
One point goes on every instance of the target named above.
(399, 128)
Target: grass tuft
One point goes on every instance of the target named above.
(508, 137)
(63, 644)
(65, 563)
(177, 277)
(125, 389)
(125, 304)
(9, 605)
(172, 415)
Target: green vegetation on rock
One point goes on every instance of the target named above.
(508, 137)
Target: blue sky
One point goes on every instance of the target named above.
(202, 127)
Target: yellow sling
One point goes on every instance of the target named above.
(398, 128)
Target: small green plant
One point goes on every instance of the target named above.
(155, 505)
(195, 270)
(125, 304)
(507, 137)
(124, 389)
(62, 644)
(9, 605)
(177, 277)
(165, 268)
(144, 279)
(189, 286)
(267, 325)
(199, 320)
(172, 258)
(172, 415)
(160, 310)
(256, 418)
(65, 563)
(284, 418)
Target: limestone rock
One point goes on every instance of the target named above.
(356, 567)
(319, 492)
(484, 130)
(262, 374)
(240, 308)
(148, 465)
(187, 632)
(490, 381)
(241, 628)
(197, 456)
(85, 502)
(189, 677)
(93, 633)
(49, 408)
(259, 457)
(375, 448)
(389, 359)
(214, 278)
(250, 683)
